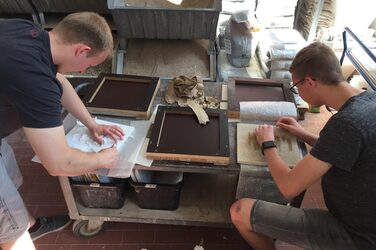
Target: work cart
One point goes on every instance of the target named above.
(206, 195)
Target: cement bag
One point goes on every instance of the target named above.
(238, 39)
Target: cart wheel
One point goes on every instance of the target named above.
(82, 228)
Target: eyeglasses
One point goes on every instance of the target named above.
(293, 87)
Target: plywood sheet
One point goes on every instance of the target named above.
(249, 150)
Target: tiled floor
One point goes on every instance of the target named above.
(43, 196)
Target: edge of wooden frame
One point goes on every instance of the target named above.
(217, 160)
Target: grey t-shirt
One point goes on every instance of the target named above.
(348, 142)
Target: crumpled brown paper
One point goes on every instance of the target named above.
(190, 92)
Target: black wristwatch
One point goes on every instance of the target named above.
(266, 145)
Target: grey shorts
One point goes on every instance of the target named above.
(310, 228)
(14, 220)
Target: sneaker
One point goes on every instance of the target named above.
(50, 225)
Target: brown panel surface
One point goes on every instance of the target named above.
(117, 94)
(122, 95)
(182, 134)
(246, 92)
(176, 135)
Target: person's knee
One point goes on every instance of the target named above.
(22, 242)
(240, 212)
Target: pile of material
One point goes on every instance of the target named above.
(189, 92)
(276, 50)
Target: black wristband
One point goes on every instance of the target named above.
(266, 145)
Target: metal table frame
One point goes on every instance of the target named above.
(208, 192)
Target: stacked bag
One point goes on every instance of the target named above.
(276, 50)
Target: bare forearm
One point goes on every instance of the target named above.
(59, 159)
(309, 138)
(279, 170)
(76, 163)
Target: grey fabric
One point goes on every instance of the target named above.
(308, 228)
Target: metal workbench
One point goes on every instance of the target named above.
(205, 200)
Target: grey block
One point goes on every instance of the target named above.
(163, 23)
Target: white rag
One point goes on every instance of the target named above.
(266, 111)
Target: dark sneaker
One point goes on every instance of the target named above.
(50, 225)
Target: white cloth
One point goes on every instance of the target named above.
(266, 111)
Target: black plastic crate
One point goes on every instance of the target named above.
(101, 195)
(153, 194)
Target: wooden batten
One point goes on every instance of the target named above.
(217, 160)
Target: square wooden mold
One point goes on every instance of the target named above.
(176, 135)
(122, 95)
(252, 89)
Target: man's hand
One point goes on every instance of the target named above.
(264, 133)
(291, 125)
(111, 157)
(98, 131)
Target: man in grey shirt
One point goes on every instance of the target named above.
(343, 156)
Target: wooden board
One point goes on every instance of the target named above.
(252, 89)
(122, 95)
(176, 135)
(249, 150)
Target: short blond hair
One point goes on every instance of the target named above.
(317, 60)
(88, 28)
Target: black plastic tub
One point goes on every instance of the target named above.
(101, 195)
(156, 193)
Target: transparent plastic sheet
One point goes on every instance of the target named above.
(128, 153)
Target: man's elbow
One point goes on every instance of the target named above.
(57, 168)
(289, 193)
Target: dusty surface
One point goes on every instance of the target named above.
(167, 58)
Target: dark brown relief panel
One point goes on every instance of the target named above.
(118, 94)
(177, 131)
(182, 134)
